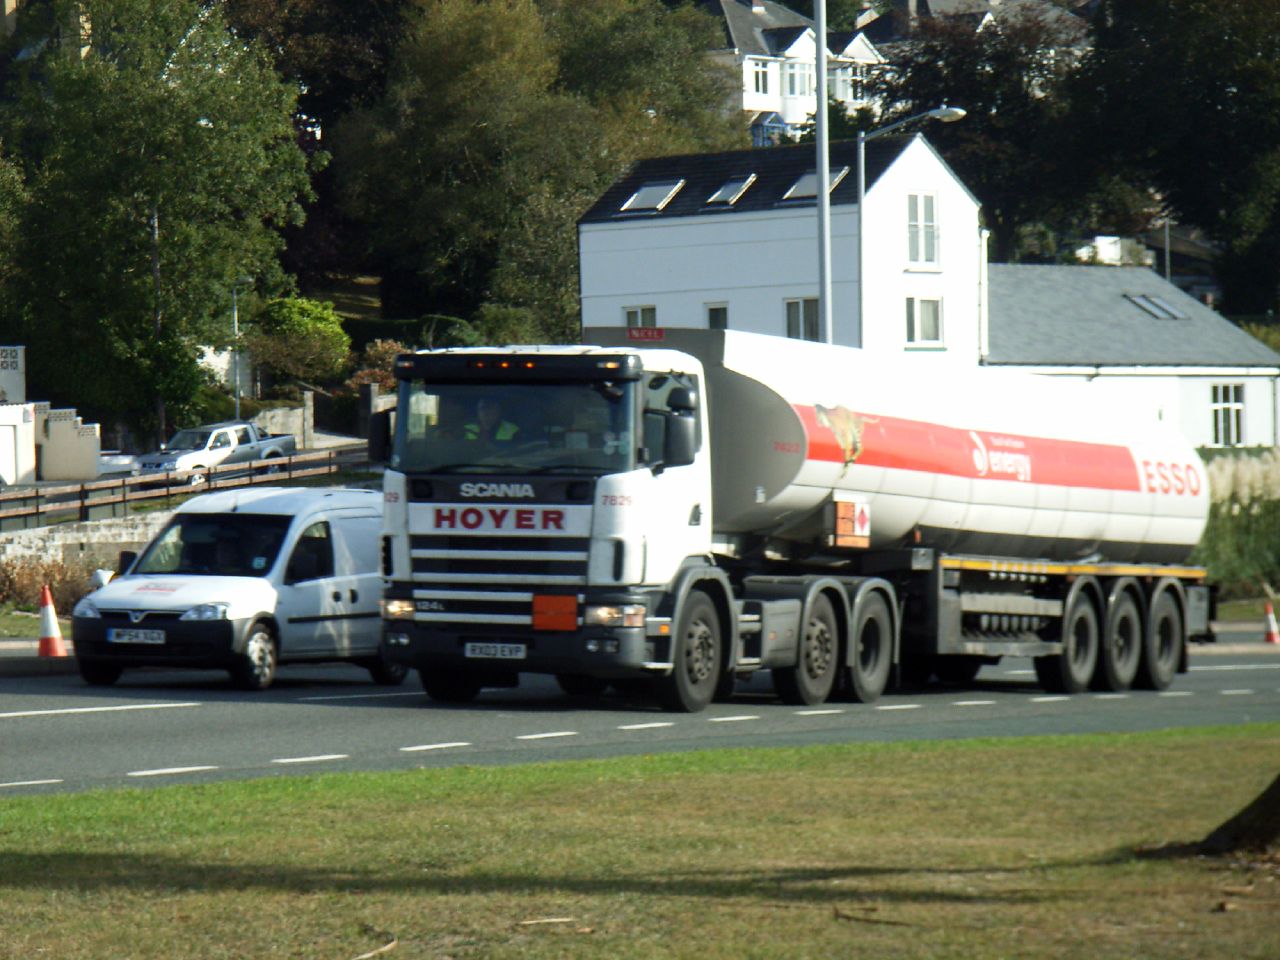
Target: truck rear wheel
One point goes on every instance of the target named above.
(1121, 647)
(449, 686)
(696, 657)
(1162, 645)
(1071, 670)
(871, 651)
(810, 681)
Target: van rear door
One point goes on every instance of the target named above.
(358, 574)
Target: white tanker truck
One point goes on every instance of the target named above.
(674, 514)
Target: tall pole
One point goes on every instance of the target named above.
(824, 176)
(862, 197)
(235, 347)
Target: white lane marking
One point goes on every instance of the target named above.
(1228, 667)
(66, 711)
(1175, 693)
(548, 736)
(737, 719)
(356, 696)
(973, 703)
(29, 783)
(646, 726)
(900, 706)
(1056, 698)
(318, 758)
(434, 746)
(1236, 693)
(1111, 696)
(167, 771)
(1019, 673)
(816, 713)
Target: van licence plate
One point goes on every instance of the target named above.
(495, 651)
(126, 635)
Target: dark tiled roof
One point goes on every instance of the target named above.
(744, 30)
(1069, 315)
(775, 169)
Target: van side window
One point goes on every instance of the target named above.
(312, 556)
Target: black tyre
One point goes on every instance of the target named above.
(385, 673)
(958, 670)
(810, 681)
(870, 651)
(98, 673)
(577, 685)
(1121, 646)
(1162, 645)
(449, 686)
(696, 657)
(255, 667)
(1071, 670)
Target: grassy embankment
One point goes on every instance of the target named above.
(1010, 848)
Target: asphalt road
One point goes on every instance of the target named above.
(163, 727)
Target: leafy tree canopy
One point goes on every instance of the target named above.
(300, 339)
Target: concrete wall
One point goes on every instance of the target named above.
(299, 421)
(98, 542)
(69, 447)
(17, 443)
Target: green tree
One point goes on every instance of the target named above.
(299, 339)
(1186, 94)
(161, 163)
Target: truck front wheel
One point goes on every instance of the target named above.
(810, 681)
(696, 658)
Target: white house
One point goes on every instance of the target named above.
(730, 240)
(774, 50)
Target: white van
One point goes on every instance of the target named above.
(244, 580)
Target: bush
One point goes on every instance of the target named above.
(1241, 542)
(22, 577)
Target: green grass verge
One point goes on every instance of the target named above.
(1003, 848)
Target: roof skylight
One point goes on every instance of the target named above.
(652, 196)
(1158, 307)
(807, 185)
(731, 190)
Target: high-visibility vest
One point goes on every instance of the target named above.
(505, 430)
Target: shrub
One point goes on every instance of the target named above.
(22, 577)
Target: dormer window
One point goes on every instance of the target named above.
(807, 185)
(652, 197)
(731, 190)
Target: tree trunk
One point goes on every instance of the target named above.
(1255, 829)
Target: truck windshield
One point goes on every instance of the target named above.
(584, 428)
(216, 544)
(189, 440)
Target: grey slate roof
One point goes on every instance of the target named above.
(775, 168)
(1079, 315)
(745, 31)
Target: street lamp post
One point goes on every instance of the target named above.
(944, 113)
(235, 338)
(823, 174)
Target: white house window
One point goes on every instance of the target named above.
(922, 228)
(717, 316)
(924, 321)
(760, 71)
(802, 319)
(1228, 414)
(641, 316)
(798, 77)
(840, 79)
(860, 72)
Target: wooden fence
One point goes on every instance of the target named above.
(26, 507)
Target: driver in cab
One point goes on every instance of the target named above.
(489, 424)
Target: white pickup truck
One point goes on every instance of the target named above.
(242, 580)
(194, 450)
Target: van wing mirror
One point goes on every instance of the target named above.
(125, 560)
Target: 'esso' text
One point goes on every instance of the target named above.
(1175, 478)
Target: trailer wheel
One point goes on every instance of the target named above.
(871, 651)
(811, 679)
(1121, 647)
(696, 657)
(449, 686)
(1071, 670)
(1162, 646)
(578, 685)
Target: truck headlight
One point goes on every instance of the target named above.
(206, 611)
(397, 609)
(86, 608)
(614, 615)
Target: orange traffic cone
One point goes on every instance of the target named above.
(51, 644)
(1273, 631)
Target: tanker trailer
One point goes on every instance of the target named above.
(676, 514)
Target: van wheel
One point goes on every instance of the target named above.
(449, 686)
(255, 668)
(96, 673)
(696, 657)
(810, 681)
(871, 651)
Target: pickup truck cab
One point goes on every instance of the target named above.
(196, 449)
(244, 580)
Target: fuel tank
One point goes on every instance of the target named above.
(984, 461)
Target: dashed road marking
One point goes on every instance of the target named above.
(169, 771)
(1055, 698)
(646, 726)
(1111, 696)
(973, 703)
(900, 706)
(1236, 693)
(817, 713)
(357, 696)
(1175, 693)
(67, 711)
(735, 719)
(435, 746)
(318, 758)
(30, 783)
(548, 736)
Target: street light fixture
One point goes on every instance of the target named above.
(943, 113)
(235, 337)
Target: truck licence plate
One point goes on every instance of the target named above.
(124, 635)
(496, 651)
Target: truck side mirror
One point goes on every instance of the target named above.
(379, 436)
(681, 440)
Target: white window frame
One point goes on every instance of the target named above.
(640, 316)
(797, 78)
(923, 246)
(915, 319)
(840, 82)
(800, 316)
(1226, 407)
(710, 308)
(760, 76)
